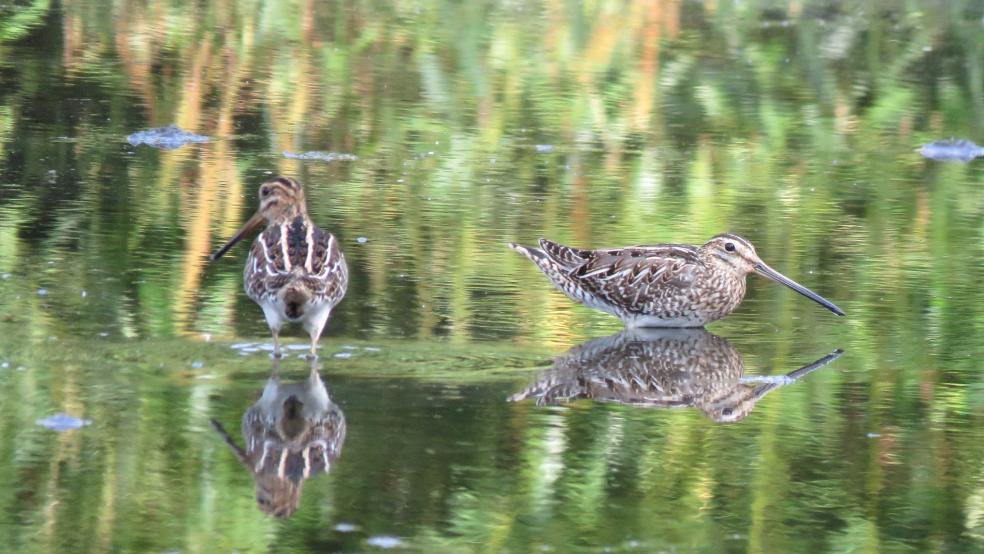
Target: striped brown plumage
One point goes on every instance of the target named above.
(666, 368)
(295, 271)
(292, 433)
(665, 285)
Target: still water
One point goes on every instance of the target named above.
(464, 405)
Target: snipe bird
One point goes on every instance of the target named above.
(664, 285)
(292, 433)
(295, 271)
(661, 368)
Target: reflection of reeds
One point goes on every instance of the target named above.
(623, 91)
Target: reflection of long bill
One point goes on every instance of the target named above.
(767, 271)
(246, 229)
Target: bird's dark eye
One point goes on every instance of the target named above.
(729, 246)
(264, 192)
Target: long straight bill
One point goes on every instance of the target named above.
(246, 229)
(780, 278)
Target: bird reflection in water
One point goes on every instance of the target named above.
(293, 432)
(666, 368)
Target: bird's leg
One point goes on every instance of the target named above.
(314, 325)
(276, 343)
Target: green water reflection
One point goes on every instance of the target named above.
(476, 124)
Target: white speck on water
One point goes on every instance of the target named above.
(399, 180)
(42, 292)
(348, 347)
(362, 240)
(873, 435)
(5, 365)
(343, 355)
(545, 148)
(5, 276)
(103, 334)
(197, 364)
(83, 294)
(384, 541)
(346, 527)
(927, 49)
(372, 349)
(207, 337)
(492, 161)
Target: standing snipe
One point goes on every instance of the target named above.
(295, 271)
(665, 285)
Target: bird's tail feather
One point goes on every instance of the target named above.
(295, 298)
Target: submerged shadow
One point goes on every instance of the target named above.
(292, 433)
(665, 368)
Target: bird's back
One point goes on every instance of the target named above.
(296, 254)
(659, 285)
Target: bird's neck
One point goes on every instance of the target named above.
(289, 214)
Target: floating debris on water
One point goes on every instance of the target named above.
(42, 292)
(385, 541)
(165, 138)
(958, 150)
(873, 435)
(545, 148)
(321, 156)
(362, 240)
(346, 527)
(63, 422)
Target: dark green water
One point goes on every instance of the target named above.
(476, 124)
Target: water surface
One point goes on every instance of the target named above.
(447, 130)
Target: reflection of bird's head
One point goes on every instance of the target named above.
(729, 405)
(278, 496)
